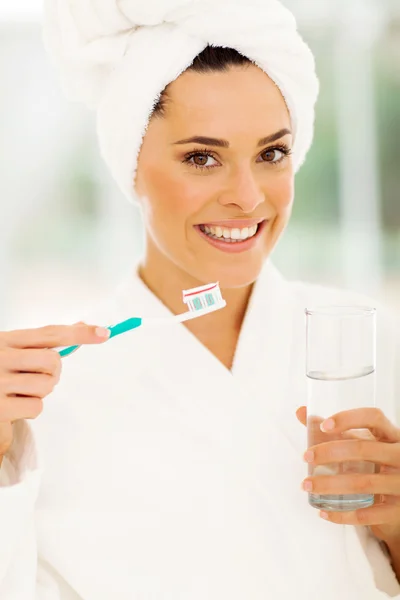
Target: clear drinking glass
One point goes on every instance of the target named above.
(340, 368)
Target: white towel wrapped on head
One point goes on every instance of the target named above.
(117, 56)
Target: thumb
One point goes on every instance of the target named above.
(301, 414)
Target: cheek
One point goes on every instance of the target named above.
(172, 197)
(281, 193)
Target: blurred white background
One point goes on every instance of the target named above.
(67, 234)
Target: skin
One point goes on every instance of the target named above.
(382, 447)
(30, 369)
(241, 106)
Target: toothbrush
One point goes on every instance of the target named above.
(200, 301)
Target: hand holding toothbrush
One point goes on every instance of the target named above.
(200, 301)
(30, 360)
(30, 368)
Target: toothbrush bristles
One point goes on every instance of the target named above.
(203, 298)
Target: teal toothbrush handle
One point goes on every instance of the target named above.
(123, 327)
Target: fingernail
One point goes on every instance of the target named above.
(327, 425)
(309, 456)
(102, 332)
(324, 515)
(307, 486)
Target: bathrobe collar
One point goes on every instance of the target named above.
(267, 327)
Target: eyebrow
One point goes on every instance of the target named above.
(209, 141)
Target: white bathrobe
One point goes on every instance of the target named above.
(154, 473)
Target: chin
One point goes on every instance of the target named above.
(233, 268)
(238, 274)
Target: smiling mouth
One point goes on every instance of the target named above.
(230, 235)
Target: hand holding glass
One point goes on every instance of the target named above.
(340, 369)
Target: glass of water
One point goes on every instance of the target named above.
(340, 369)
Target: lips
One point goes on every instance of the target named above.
(234, 223)
(229, 234)
(232, 236)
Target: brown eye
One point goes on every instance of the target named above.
(200, 159)
(270, 155)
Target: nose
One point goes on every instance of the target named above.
(243, 192)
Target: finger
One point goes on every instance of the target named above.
(363, 418)
(395, 500)
(353, 484)
(374, 515)
(27, 384)
(354, 450)
(15, 409)
(387, 469)
(301, 414)
(54, 336)
(15, 360)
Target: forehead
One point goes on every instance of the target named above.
(238, 97)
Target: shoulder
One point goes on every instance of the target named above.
(308, 295)
(311, 295)
(317, 294)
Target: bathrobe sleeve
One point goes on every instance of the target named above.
(19, 486)
(22, 576)
(377, 565)
(389, 401)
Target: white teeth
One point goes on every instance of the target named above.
(244, 234)
(230, 235)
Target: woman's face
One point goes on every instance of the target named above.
(199, 197)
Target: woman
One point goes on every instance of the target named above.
(171, 458)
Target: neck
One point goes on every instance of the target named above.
(218, 331)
